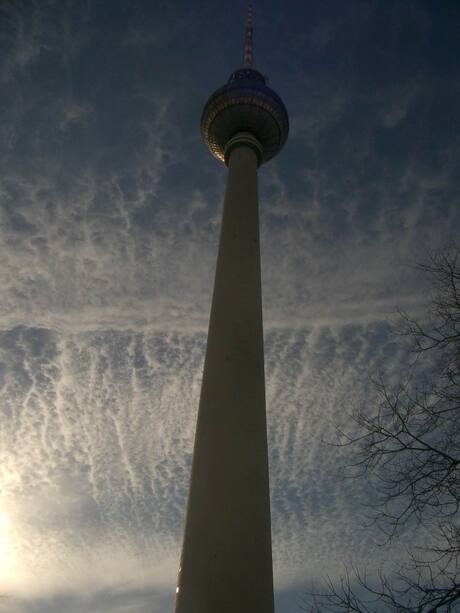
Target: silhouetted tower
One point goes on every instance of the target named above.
(226, 563)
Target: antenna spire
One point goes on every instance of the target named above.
(248, 47)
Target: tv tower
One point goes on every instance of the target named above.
(226, 562)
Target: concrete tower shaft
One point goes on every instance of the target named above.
(226, 563)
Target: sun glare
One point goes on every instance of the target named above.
(4, 541)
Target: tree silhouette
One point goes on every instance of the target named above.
(411, 446)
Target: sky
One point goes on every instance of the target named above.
(110, 209)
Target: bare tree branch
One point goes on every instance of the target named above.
(410, 444)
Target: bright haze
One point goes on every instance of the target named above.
(110, 209)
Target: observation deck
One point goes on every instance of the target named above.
(245, 104)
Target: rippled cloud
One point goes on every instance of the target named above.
(109, 221)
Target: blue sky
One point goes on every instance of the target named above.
(110, 209)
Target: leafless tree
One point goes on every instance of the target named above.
(411, 446)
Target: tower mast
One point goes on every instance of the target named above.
(226, 563)
(248, 42)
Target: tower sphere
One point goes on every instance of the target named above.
(245, 104)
